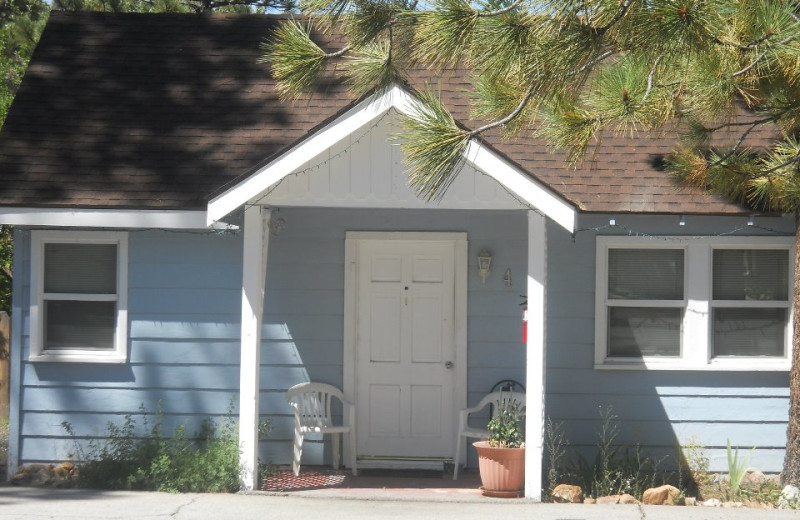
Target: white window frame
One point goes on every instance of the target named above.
(119, 354)
(696, 325)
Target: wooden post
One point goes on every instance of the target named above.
(254, 273)
(535, 355)
(5, 356)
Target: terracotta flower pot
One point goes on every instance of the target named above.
(502, 470)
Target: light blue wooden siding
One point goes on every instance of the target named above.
(659, 409)
(184, 306)
(184, 337)
(305, 305)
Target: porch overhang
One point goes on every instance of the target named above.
(251, 189)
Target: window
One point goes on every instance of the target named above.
(645, 302)
(687, 302)
(78, 296)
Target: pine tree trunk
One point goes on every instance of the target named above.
(791, 464)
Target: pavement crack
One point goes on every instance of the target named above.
(177, 511)
(642, 515)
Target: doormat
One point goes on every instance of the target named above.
(401, 473)
(284, 480)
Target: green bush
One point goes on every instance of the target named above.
(205, 462)
(4, 433)
(616, 469)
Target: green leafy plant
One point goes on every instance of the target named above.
(4, 433)
(617, 468)
(505, 426)
(129, 458)
(555, 444)
(737, 469)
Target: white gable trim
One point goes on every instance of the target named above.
(527, 189)
(105, 218)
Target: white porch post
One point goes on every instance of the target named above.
(254, 275)
(535, 356)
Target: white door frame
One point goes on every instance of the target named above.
(351, 250)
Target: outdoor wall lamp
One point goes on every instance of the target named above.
(484, 262)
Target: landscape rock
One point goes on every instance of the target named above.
(790, 493)
(790, 498)
(41, 475)
(665, 495)
(712, 502)
(732, 504)
(755, 478)
(618, 499)
(567, 493)
(690, 501)
(589, 501)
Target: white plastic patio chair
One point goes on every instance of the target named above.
(464, 430)
(312, 414)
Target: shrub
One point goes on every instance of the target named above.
(505, 426)
(205, 462)
(4, 435)
(617, 468)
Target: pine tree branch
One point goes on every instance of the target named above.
(761, 56)
(650, 78)
(617, 17)
(736, 146)
(757, 122)
(507, 119)
(592, 63)
(339, 53)
(749, 67)
(795, 159)
(499, 12)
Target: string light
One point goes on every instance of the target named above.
(682, 238)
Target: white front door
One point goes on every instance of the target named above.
(405, 351)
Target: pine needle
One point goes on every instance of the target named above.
(296, 60)
(434, 148)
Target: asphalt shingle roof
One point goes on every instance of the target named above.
(163, 111)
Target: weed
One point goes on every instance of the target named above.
(4, 437)
(737, 469)
(617, 468)
(555, 439)
(205, 462)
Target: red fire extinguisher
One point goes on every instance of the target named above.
(524, 322)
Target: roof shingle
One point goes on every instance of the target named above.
(163, 111)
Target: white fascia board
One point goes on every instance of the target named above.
(357, 117)
(526, 188)
(104, 218)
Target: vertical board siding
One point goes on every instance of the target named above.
(658, 409)
(184, 312)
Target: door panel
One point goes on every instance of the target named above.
(405, 337)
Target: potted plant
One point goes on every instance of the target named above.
(501, 458)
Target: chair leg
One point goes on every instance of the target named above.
(351, 437)
(457, 457)
(297, 452)
(335, 444)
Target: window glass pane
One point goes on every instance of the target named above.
(79, 325)
(751, 274)
(639, 331)
(80, 268)
(749, 332)
(645, 274)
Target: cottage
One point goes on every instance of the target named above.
(184, 237)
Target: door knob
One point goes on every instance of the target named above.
(449, 364)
